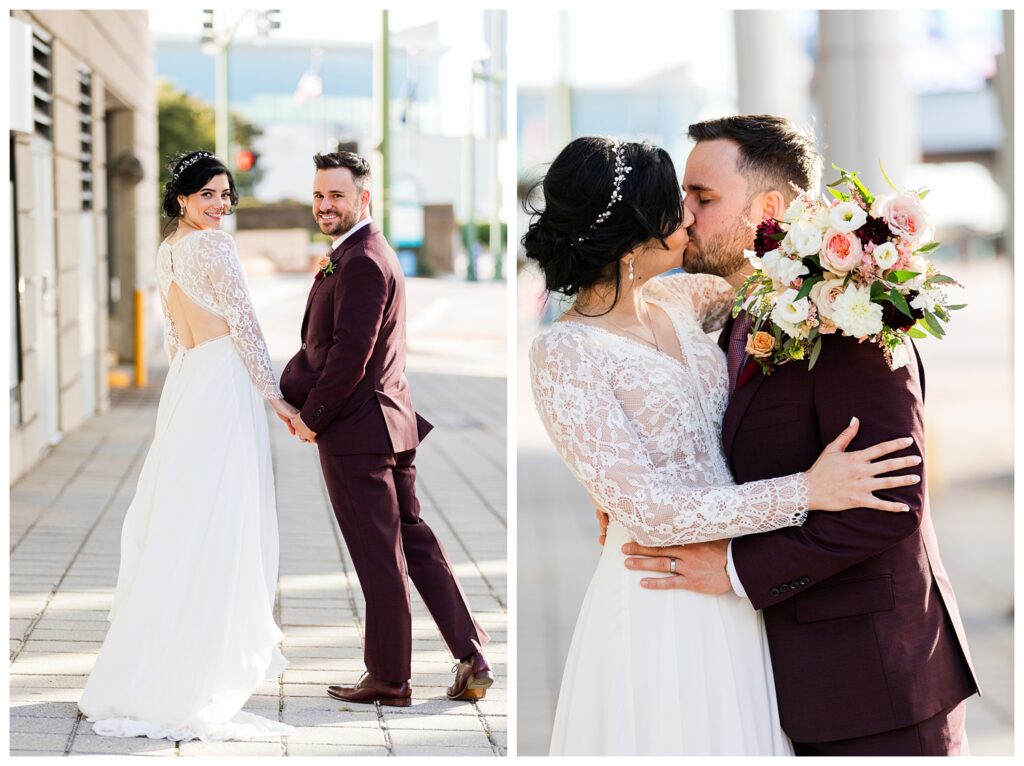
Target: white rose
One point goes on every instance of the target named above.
(824, 293)
(751, 256)
(906, 216)
(802, 239)
(926, 300)
(919, 266)
(789, 312)
(900, 356)
(820, 219)
(855, 314)
(847, 217)
(770, 262)
(886, 255)
(795, 211)
(789, 269)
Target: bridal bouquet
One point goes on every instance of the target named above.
(855, 265)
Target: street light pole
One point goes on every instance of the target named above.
(382, 211)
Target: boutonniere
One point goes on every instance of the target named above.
(326, 266)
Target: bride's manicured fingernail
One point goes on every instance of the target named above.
(915, 478)
(853, 420)
(906, 508)
(915, 460)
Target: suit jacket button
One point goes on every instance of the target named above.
(795, 584)
(303, 346)
(784, 588)
(773, 592)
(804, 580)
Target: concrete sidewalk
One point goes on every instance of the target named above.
(66, 517)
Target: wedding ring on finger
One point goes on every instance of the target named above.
(672, 566)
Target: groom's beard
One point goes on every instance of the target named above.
(346, 220)
(721, 254)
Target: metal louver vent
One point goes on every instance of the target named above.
(85, 151)
(42, 84)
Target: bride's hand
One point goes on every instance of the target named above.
(285, 412)
(840, 480)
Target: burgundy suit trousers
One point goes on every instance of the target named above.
(942, 734)
(374, 500)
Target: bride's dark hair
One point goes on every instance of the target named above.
(571, 248)
(189, 173)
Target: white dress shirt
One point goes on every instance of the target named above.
(360, 224)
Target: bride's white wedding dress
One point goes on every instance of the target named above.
(660, 672)
(192, 631)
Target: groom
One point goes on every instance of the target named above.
(867, 645)
(348, 380)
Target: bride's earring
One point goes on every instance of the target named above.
(182, 213)
(632, 274)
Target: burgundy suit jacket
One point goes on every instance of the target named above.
(348, 378)
(863, 626)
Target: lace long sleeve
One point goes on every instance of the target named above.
(171, 342)
(711, 297)
(224, 271)
(596, 439)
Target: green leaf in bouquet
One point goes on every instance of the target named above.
(923, 193)
(886, 178)
(913, 332)
(899, 277)
(928, 248)
(805, 288)
(957, 307)
(933, 325)
(877, 290)
(814, 353)
(839, 195)
(896, 299)
(778, 236)
(940, 279)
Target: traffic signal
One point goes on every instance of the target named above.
(245, 160)
(208, 36)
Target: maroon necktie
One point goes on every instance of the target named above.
(737, 352)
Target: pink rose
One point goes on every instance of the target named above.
(322, 262)
(841, 251)
(906, 216)
(824, 293)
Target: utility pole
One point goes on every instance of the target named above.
(382, 211)
(219, 45)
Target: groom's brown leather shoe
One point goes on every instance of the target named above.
(370, 689)
(472, 679)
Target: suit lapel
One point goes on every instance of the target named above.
(335, 256)
(738, 405)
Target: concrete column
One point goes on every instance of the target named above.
(868, 114)
(773, 73)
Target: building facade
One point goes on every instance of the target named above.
(84, 228)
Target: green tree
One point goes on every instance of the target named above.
(186, 124)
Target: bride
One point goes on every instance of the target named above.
(632, 393)
(192, 632)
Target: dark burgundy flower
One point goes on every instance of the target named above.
(768, 236)
(874, 230)
(896, 319)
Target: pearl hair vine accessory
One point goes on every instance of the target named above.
(189, 163)
(621, 171)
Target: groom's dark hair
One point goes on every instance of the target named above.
(774, 153)
(358, 165)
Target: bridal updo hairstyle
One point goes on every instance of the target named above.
(190, 173)
(570, 249)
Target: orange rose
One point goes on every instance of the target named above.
(760, 344)
(322, 262)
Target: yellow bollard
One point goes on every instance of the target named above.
(141, 376)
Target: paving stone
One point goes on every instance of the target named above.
(85, 485)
